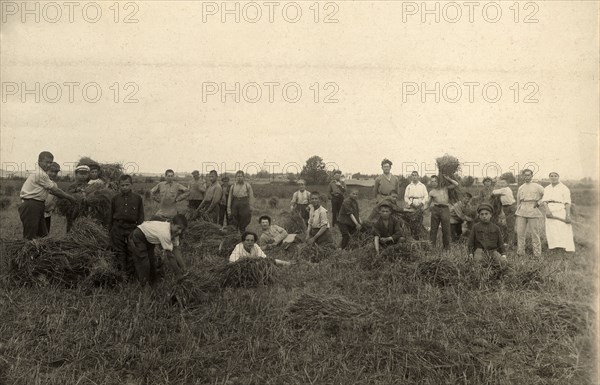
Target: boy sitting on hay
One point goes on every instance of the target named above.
(387, 229)
(486, 237)
(150, 233)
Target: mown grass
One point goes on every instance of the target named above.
(530, 323)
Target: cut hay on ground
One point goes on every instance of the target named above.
(315, 253)
(311, 310)
(66, 260)
(292, 222)
(438, 271)
(210, 238)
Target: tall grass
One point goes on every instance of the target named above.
(418, 320)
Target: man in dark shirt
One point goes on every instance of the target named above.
(486, 236)
(387, 229)
(337, 188)
(126, 212)
(348, 218)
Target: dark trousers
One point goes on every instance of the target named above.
(119, 235)
(456, 231)
(48, 223)
(325, 239)
(301, 209)
(509, 213)
(214, 214)
(336, 205)
(31, 213)
(142, 254)
(194, 203)
(240, 213)
(347, 231)
(440, 215)
(222, 214)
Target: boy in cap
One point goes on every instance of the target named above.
(197, 189)
(143, 239)
(126, 212)
(33, 195)
(485, 236)
(301, 200)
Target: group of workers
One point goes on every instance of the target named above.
(491, 226)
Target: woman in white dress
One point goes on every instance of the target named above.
(557, 203)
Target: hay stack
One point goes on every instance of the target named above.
(192, 288)
(311, 310)
(293, 222)
(315, 253)
(65, 260)
(409, 251)
(210, 238)
(448, 166)
(438, 271)
(247, 272)
(94, 201)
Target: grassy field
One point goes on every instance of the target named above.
(415, 321)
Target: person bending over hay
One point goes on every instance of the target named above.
(150, 233)
(248, 248)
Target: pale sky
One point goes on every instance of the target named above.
(370, 55)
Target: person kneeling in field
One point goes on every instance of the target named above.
(387, 229)
(486, 237)
(273, 235)
(150, 233)
(248, 248)
(318, 225)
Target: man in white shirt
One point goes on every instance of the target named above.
(150, 233)
(416, 194)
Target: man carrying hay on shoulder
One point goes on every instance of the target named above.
(167, 194)
(248, 248)
(439, 202)
(387, 229)
(126, 212)
(150, 233)
(33, 195)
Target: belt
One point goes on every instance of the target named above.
(512, 204)
(385, 195)
(31, 199)
(562, 203)
(440, 205)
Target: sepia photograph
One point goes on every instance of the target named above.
(377, 192)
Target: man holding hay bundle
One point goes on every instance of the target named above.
(126, 212)
(386, 184)
(167, 194)
(141, 244)
(439, 203)
(33, 195)
(529, 216)
(212, 199)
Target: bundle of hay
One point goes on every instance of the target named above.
(293, 222)
(561, 316)
(103, 272)
(65, 260)
(194, 215)
(273, 202)
(315, 253)
(448, 166)
(247, 272)
(210, 238)
(362, 238)
(410, 251)
(92, 201)
(109, 172)
(311, 310)
(438, 271)
(193, 288)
